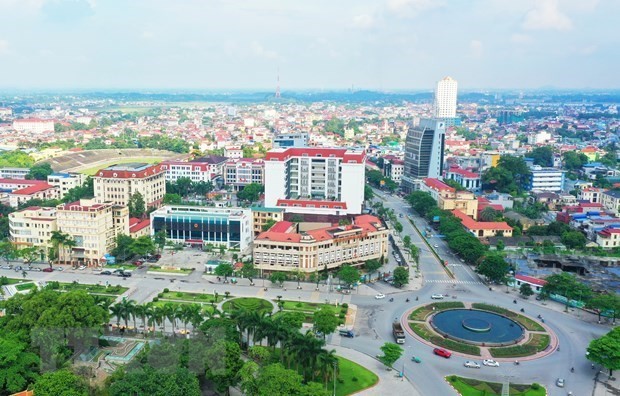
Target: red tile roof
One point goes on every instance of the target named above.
(530, 279)
(313, 152)
(130, 174)
(472, 224)
(281, 226)
(464, 173)
(33, 189)
(438, 185)
(136, 225)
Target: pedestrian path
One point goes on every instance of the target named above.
(451, 281)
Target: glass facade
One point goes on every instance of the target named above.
(208, 227)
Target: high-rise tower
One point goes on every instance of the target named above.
(445, 98)
(424, 148)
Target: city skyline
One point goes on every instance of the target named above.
(386, 45)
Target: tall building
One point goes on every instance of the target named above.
(315, 180)
(117, 183)
(445, 98)
(424, 149)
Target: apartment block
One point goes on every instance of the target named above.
(203, 169)
(260, 216)
(611, 201)
(33, 125)
(14, 173)
(319, 180)
(117, 183)
(66, 181)
(608, 238)
(33, 226)
(284, 248)
(239, 172)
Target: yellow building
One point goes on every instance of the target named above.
(33, 226)
(282, 248)
(260, 216)
(449, 199)
(117, 183)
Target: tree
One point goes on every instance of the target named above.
(62, 382)
(278, 277)
(349, 275)
(160, 239)
(391, 353)
(398, 227)
(7, 251)
(574, 240)
(325, 321)
(40, 171)
(224, 359)
(184, 186)
(421, 202)
(29, 254)
(526, 290)
(605, 303)
(147, 380)
(122, 251)
(224, 270)
(368, 193)
(275, 379)
(248, 271)
(542, 156)
(268, 224)
(509, 176)
(567, 285)
(490, 214)
(136, 205)
(251, 192)
(574, 161)
(371, 266)
(173, 199)
(18, 366)
(142, 246)
(60, 243)
(494, 268)
(606, 350)
(401, 276)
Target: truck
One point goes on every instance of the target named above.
(399, 333)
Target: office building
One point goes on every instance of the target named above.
(22, 190)
(203, 169)
(546, 179)
(469, 180)
(285, 248)
(239, 172)
(32, 227)
(197, 225)
(315, 180)
(117, 183)
(261, 216)
(445, 99)
(424, 149)
(393, 168)
(483, 229)
(448, 198)
(290, 139)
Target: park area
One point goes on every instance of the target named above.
(474, 387)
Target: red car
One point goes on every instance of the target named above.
(138, 262)
(442, 352)
(47, 269)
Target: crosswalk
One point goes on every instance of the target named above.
(451, 281)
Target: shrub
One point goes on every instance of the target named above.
(340, 380)
(298, 305)
(535, 386)
(160, 295)
(345, 305)
(179, 294)
(341, 316)
(155, 299)
(166, 290)
(453, 378)
(354, 379)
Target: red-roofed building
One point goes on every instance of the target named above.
(448, 198)
(138, 227)
(117, 183)
(282, 248)
(535, 283)
(39, 190)
(482, 229)
(469, 180)
(199, 170)
(608, 238)
(33, 125)
(315, 174)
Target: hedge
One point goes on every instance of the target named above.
(423, 331)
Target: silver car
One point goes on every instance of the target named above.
(472, 364)
(560, 382)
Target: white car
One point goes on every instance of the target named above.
(472, 364)
(81, 268)
(380, 296)
(436, 246)
(490, 363)
(437, 296)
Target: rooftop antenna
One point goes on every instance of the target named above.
(278, 85)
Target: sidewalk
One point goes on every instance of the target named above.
(389, 383)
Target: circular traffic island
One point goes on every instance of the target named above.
(478, 329)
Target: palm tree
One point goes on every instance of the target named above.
(58, 239)
(326, 360)
(128, 310)
(70, 244)
(190, 313)
(149, 317)
(170, 312)
(117, 311)
(101, 301)
(158, 318)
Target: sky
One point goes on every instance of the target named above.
(311, 44)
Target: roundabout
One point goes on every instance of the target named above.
(478, 329)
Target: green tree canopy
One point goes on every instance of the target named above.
(542, 156)
(494, 268)
(606, 350)
(325, 321)
(391, 353)
(149, 381)
(401, 276)
(421, 202)
(349, 275)
(251, 192)
(18, 366)
(573, 160)
(224, 269)
(526, 290)
(40, 171)
(62, 382)
(136, 204)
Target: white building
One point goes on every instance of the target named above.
(117, 183)
(546, 179)
(6, 112)
(590, 194)
(66, 181)
(322, 180)
(240, 172)
(233, 152)
(469, 180)
(445, 98)
(201, 169)
(14, 173)
(539, 138)
(33, 125)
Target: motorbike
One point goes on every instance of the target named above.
(391, 299)
(514, 301)
(416, 359)
(522, 310)
(407, 300)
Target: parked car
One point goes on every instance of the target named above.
(346, 333)
(10, 266)
(48, 269)
(58, 269)
(560, 382)
(436, 246)
(82, 267)
(442, 352)
(437, 296)
(138, 262)
(379, 296)
(472, 364)
(125, 274)
(490, 363)
(105, 273)
(36, 269)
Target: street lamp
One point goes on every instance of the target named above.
(335, 364)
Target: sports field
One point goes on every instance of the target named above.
(91, 171)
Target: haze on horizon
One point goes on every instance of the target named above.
(319, 44)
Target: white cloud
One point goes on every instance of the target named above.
(4, 46)
(476, 48)
(412, 7)
(147, 35)
(260, 51)
(363, 21)
(546, 16)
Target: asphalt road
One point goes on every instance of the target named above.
(374, 317)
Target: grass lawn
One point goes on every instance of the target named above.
(25, 286)
(307, 307)
(423, 312)
(249, 304)
(353, 378)
(11, 281)
(94, 169)
(170, 271)
(473, 387)
(190, 297)
(423, 331)
(536, 343)
(94, 289)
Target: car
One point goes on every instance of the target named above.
(138, 262)
(48, 269)
(442, 352)
(400, 215)
(82, 267)
(471, 364)
(379, 296)
(7, 267)
(124, 274)
(437, 296)
(36, 269)
(118, 270)
(490, 363)
(436, 246)
(560, 382)
(58, 269)
(105, 273)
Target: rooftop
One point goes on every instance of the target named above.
(472, 224)
(132, 166)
